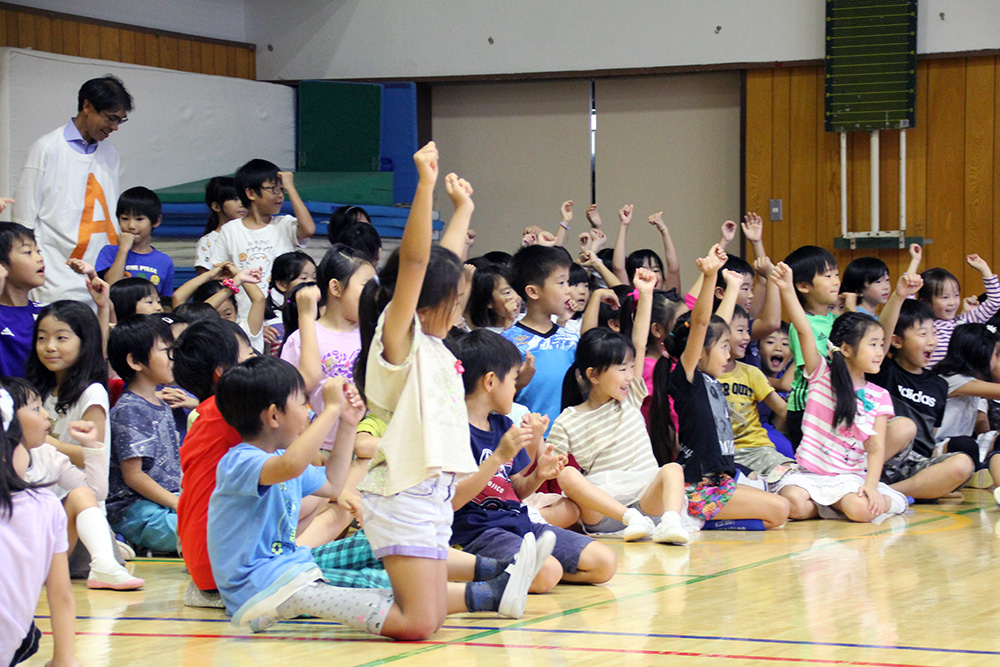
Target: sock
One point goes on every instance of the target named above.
(671, 518)
(358, 608)
(489, 568)
(95, 534)
(485, 595)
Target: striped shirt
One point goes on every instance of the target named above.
(611, 438)
(981, 313)
(830, 450)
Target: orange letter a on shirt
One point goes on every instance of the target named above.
(89, 226)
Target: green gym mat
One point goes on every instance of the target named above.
(370, 187)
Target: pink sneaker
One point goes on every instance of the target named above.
(118, 581)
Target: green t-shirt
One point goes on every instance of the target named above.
(821, 326)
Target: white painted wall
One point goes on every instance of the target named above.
(184, 126)
(431, 38)
(221, 19)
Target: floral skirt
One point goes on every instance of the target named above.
(710, 495)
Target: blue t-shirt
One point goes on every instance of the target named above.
(142, 429)
(497, 505)
(554, 353)
(154, 266)
(17, 323)
(252, 528)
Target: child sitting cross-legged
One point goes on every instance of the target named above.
(490, 518)
(145, 444)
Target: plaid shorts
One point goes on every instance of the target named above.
(908, 463)
(350, 563)
(710, 495)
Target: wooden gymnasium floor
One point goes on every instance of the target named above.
(919, 589)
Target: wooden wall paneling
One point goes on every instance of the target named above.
(184, 61)
(168, 51)
(979, 167)
(126, 45)
(3, 26)
(70, 37)
(110, 44)
(889, 199)
(90, 41)
(243, 60)
(231, 62)
(219, 55)
(827, 175)
(802, 223)
(43, 34)
(794, 223)
(996, 161)
(25, 30)
(916, 166)
(945, 164)
(758, 147)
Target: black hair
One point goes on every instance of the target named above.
(127, 292)
(666, 303)
(482, 351)
(363, 238)
(139, 201)
(599, 349)
(912, 312)
(861, 273)
(638, 259)
(195, 311)
(807, 262)
(733, 263)
(219, 190)
(970, 352)
(499, 257)
(207, 289)
(480, 308)
(340, 263)
(849, 328)
(135, 335)
(607, 255)
(106, 93)
(444, 270)
(252, 176)
(286, 268)
(740, 312)
(533, 265)
(10, 232)
(91, 366)
(934, 283)
(678, 338)
(247, 389)
(21, 393)
(606, 312)
(342, 217)
(578, 274)
(662, 431)
(204, 347)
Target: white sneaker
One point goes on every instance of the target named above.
(637, 525)
(544, 544)
(119, 580)
(671, 532)
(521, 571)
(266, 602)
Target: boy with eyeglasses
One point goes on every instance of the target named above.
(253, 242)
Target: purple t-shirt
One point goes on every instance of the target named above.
(155, 266)
(17, 323)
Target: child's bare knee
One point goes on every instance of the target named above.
(779, 511)
(547, 577)
(598, 562)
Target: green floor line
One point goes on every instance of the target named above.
(697, 579)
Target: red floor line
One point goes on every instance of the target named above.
(687, 654)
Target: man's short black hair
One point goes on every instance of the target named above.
(10, 232)
(106, 93)
(534, 264)
(135, 335)
(482, 351)
(249, 388)
(204, 347)
(360, 236)
(252, 176)
(139, 201)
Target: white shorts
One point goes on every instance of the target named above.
(415, 522)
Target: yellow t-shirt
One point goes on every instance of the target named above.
(745, 386)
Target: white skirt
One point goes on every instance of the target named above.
(825, 490)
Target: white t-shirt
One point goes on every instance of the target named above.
(960, 412)
(35, 530)
(203, 253)
(69, 199)
(97, 395)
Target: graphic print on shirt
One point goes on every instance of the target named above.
(338, 363)
(720, 413)
(88, 225)
(289, 518)
(498, 492)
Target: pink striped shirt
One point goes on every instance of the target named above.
(829, 450)
(981, 313)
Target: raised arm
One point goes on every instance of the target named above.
(116, 271)
(589, 259)
(184, 292)
(672, 268)
(592, 312)
(907, 286)
(566, 217)
(728, 304)
(414, 254)
(457, 233)
(338, 463)
(988, 308)
(782, 277)
(644, 282)
(916, 255)
(618, 259)
(701, 316)
(305, 227)
(310, 363)
(768, 318)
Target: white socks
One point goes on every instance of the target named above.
(359, 608)
(94, 532)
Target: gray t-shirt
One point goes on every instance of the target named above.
(961, 411)
(142, 429)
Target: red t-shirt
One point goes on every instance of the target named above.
(207, 441)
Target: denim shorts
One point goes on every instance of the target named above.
(415, 522)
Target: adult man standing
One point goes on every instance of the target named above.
(69, 187)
